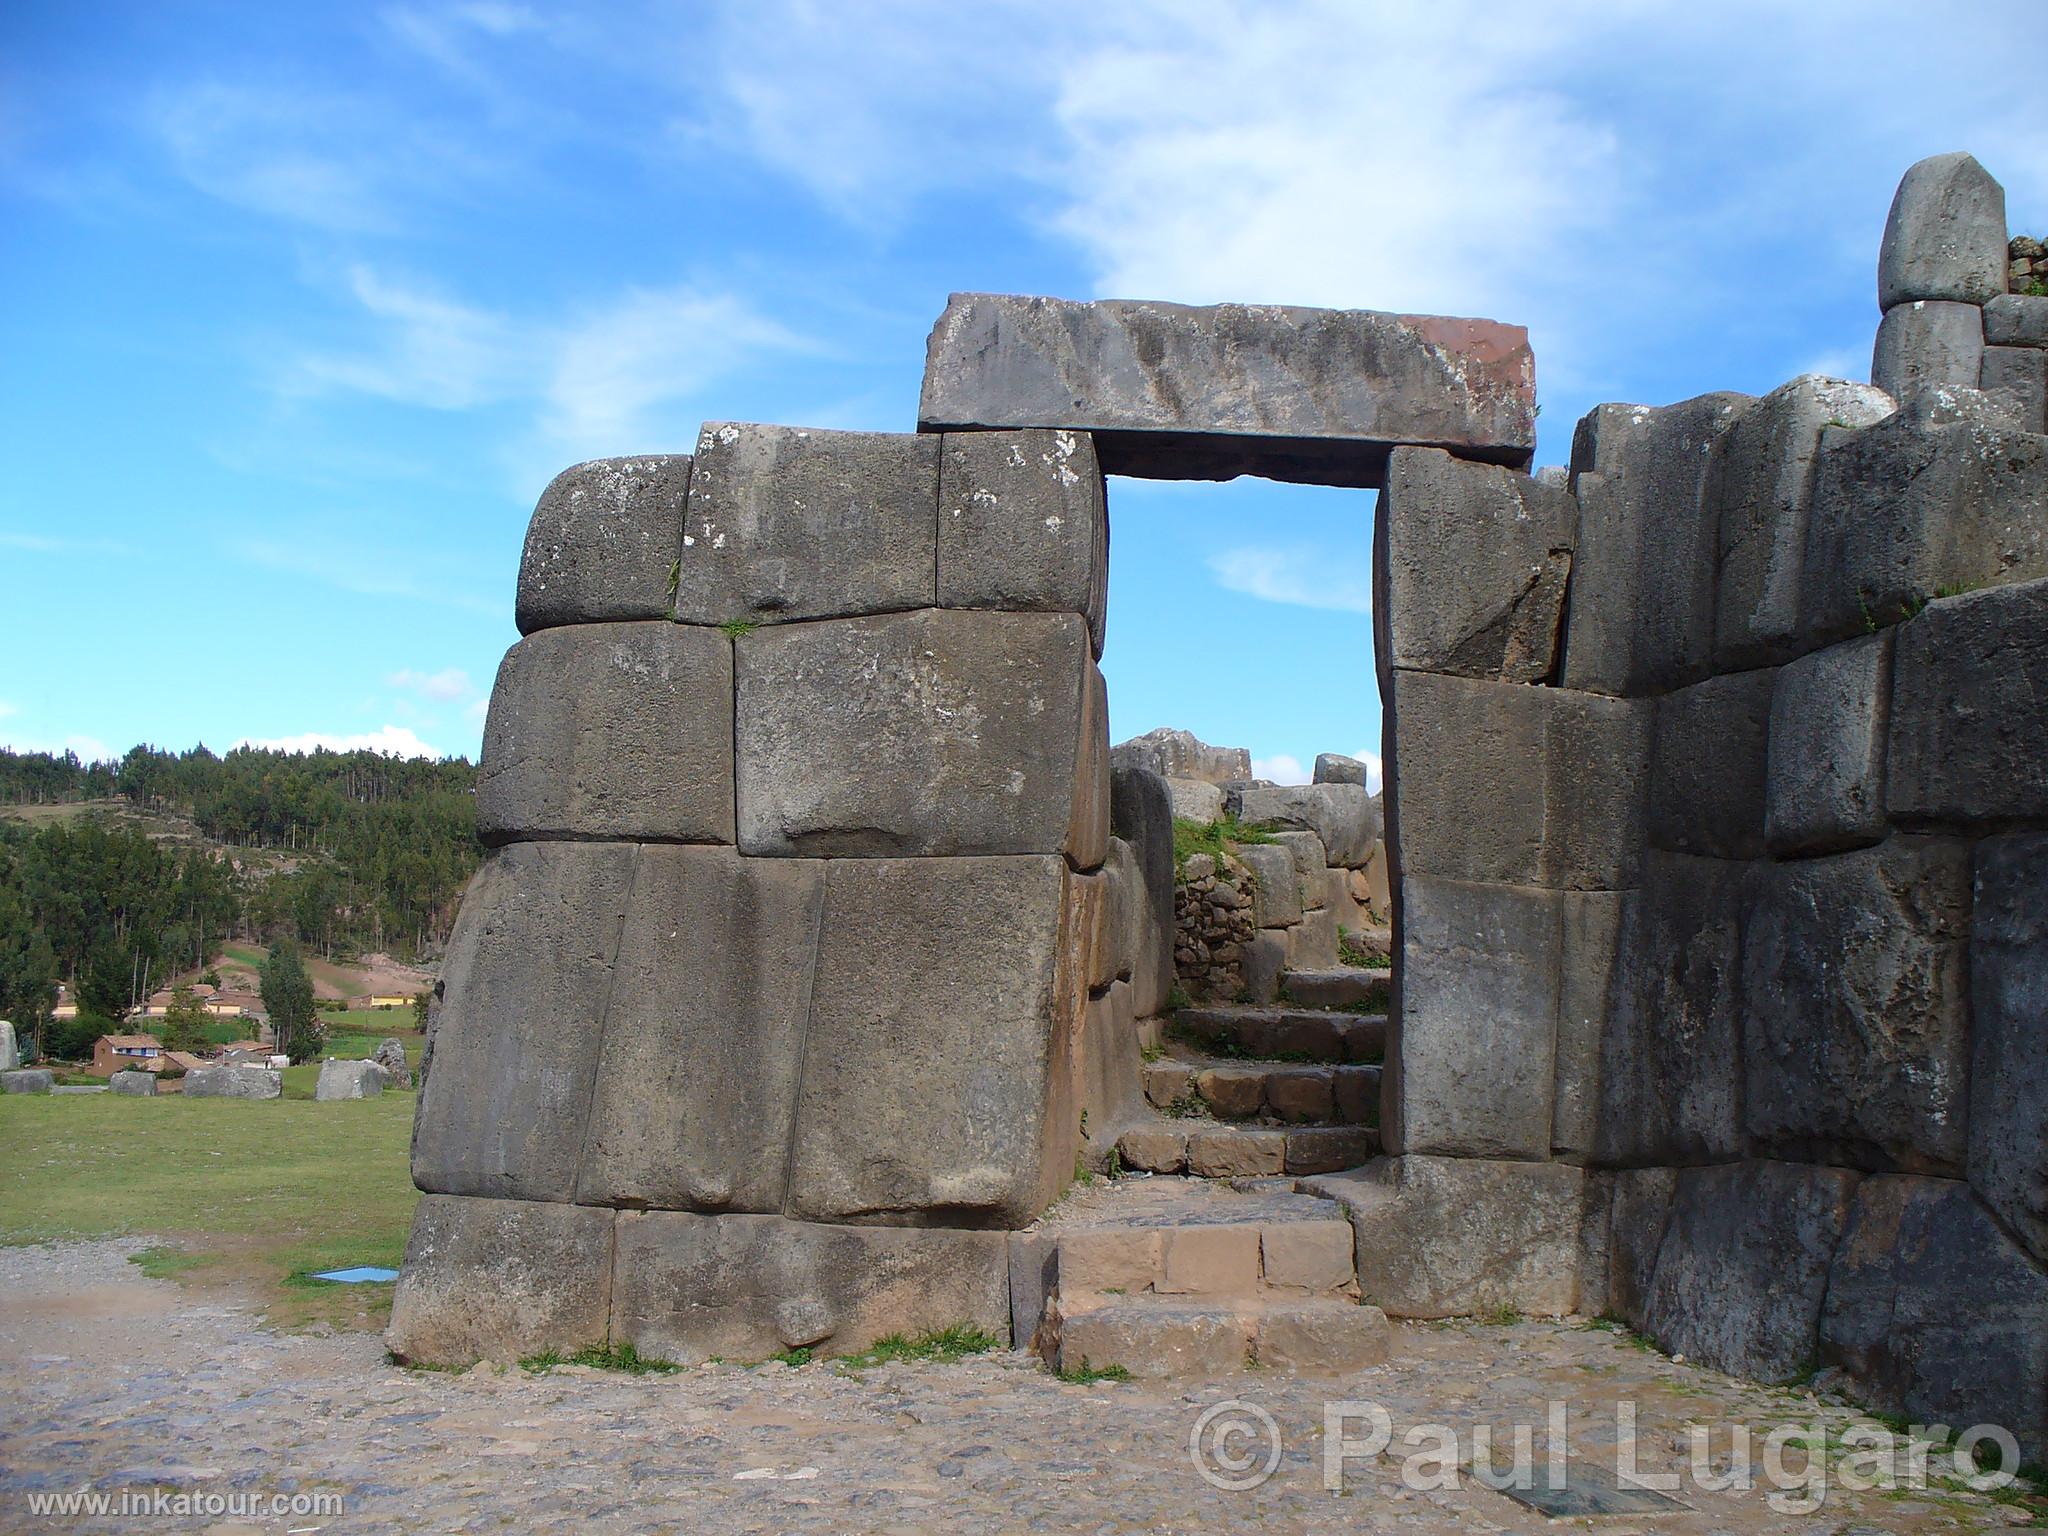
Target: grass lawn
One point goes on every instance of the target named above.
(253, 1196)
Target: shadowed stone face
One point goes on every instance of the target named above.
(1180, 393)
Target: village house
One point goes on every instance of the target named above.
(120, 1053)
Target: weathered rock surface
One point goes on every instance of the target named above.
(1336, 768)
(1344, 816)
(934, 732)
(1276, 884)
(1024, 525)
(2016, 320)
(1473, 1053)
(1743, 1266)
(1642, 605)
(1477, 560)
(1670, 1065)
(1928, 345)
(711, 986)
(1638, 1217)
(1945, 236)
(348, 1080)
(526, 978)
(1193, 800)
(687, 1287)
(1181, 755)
(390, 1055)
(501, 1280)
(1175, 392)
(27, 1080)
(1589, 931)
(602, 542)
(1707, 766)
(1941, 495)
(1968, 733)
(1830, 722)
(610, 731)
(2020, 374)
(1450, 1237)
(1935, 1314)
(1111, 1098)
(785, 523)
(234, 1083)
(937, 1060)
(137, 1084)
(1760, 486)
(2009, 1028)
(1855, 983)
(1141, 813)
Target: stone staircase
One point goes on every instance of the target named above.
(1264, 1089)
(1181, 1276)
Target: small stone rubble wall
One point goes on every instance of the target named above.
(786, 984)
(1721, 832)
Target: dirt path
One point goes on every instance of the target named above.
(112, 1383)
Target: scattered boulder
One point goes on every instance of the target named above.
(27, 1080)
(134, 1084)
(1336, 768)
(234, 1083)
(348, 1080)
(1176, 754)
(10, 1049)
(390, 1055)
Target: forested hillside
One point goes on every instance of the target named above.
(111, 873)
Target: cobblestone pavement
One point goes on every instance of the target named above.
(113, 1383)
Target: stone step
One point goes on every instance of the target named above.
(1155, 1337)
(1342, 986)
(1310, 1094)
(1284, 1033)
(1211, 1150)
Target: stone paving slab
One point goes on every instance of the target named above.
(112, 1382)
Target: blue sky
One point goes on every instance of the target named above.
(304, 304)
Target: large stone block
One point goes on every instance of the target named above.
(1943, 494)
(1182, 755)
(1472, 1045)
(1928, 345)
(28, 1080)
(1344, 816)
(784, 524)
(610, 731)
(1276, 884)
(133, 1083)
(1969, 737)
(516, 1037)
(1589, 928)
(1336, 768)
(1707, 766)
(688, 1287)
(1760, 487)
(940, 1045)
(1945, 236)
(340, 1080)
(935, 732)
(1637, 1218)
(602, 543)
(1563, 776)
(2009, 1027)
(2016, 320)
(1174, 392)
(1830, 721)
(1477, 563)
(1934, 1314)
(501, 1280)
(1453, 1236)
(1112, 1100)
(1670, 1059)
(1743, 1267)
(1024, 525)
(2020, 374)
(695, 1093)
(232, 1083)
(1141, 813)
(1854, 985)
(1642, 605)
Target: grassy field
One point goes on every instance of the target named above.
(248, 1196)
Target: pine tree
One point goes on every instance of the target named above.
(288, 999)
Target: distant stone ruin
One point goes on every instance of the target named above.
(820, 940)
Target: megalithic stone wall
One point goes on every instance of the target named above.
(767, 1014)
(1740, 982)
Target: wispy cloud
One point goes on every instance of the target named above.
(1307, 578)
(392, 740)
(445, 686)
(365, 572)
(1281, 768)
(429, 350)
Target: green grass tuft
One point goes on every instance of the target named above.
(1085, 1374)
(621, 1357)
(943, 1347)
(732, 629)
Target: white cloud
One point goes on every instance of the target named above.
(445, 686)
(1375, 777)
(392, 740)
(1305, 577)
(1280, 768)
(429, 350)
